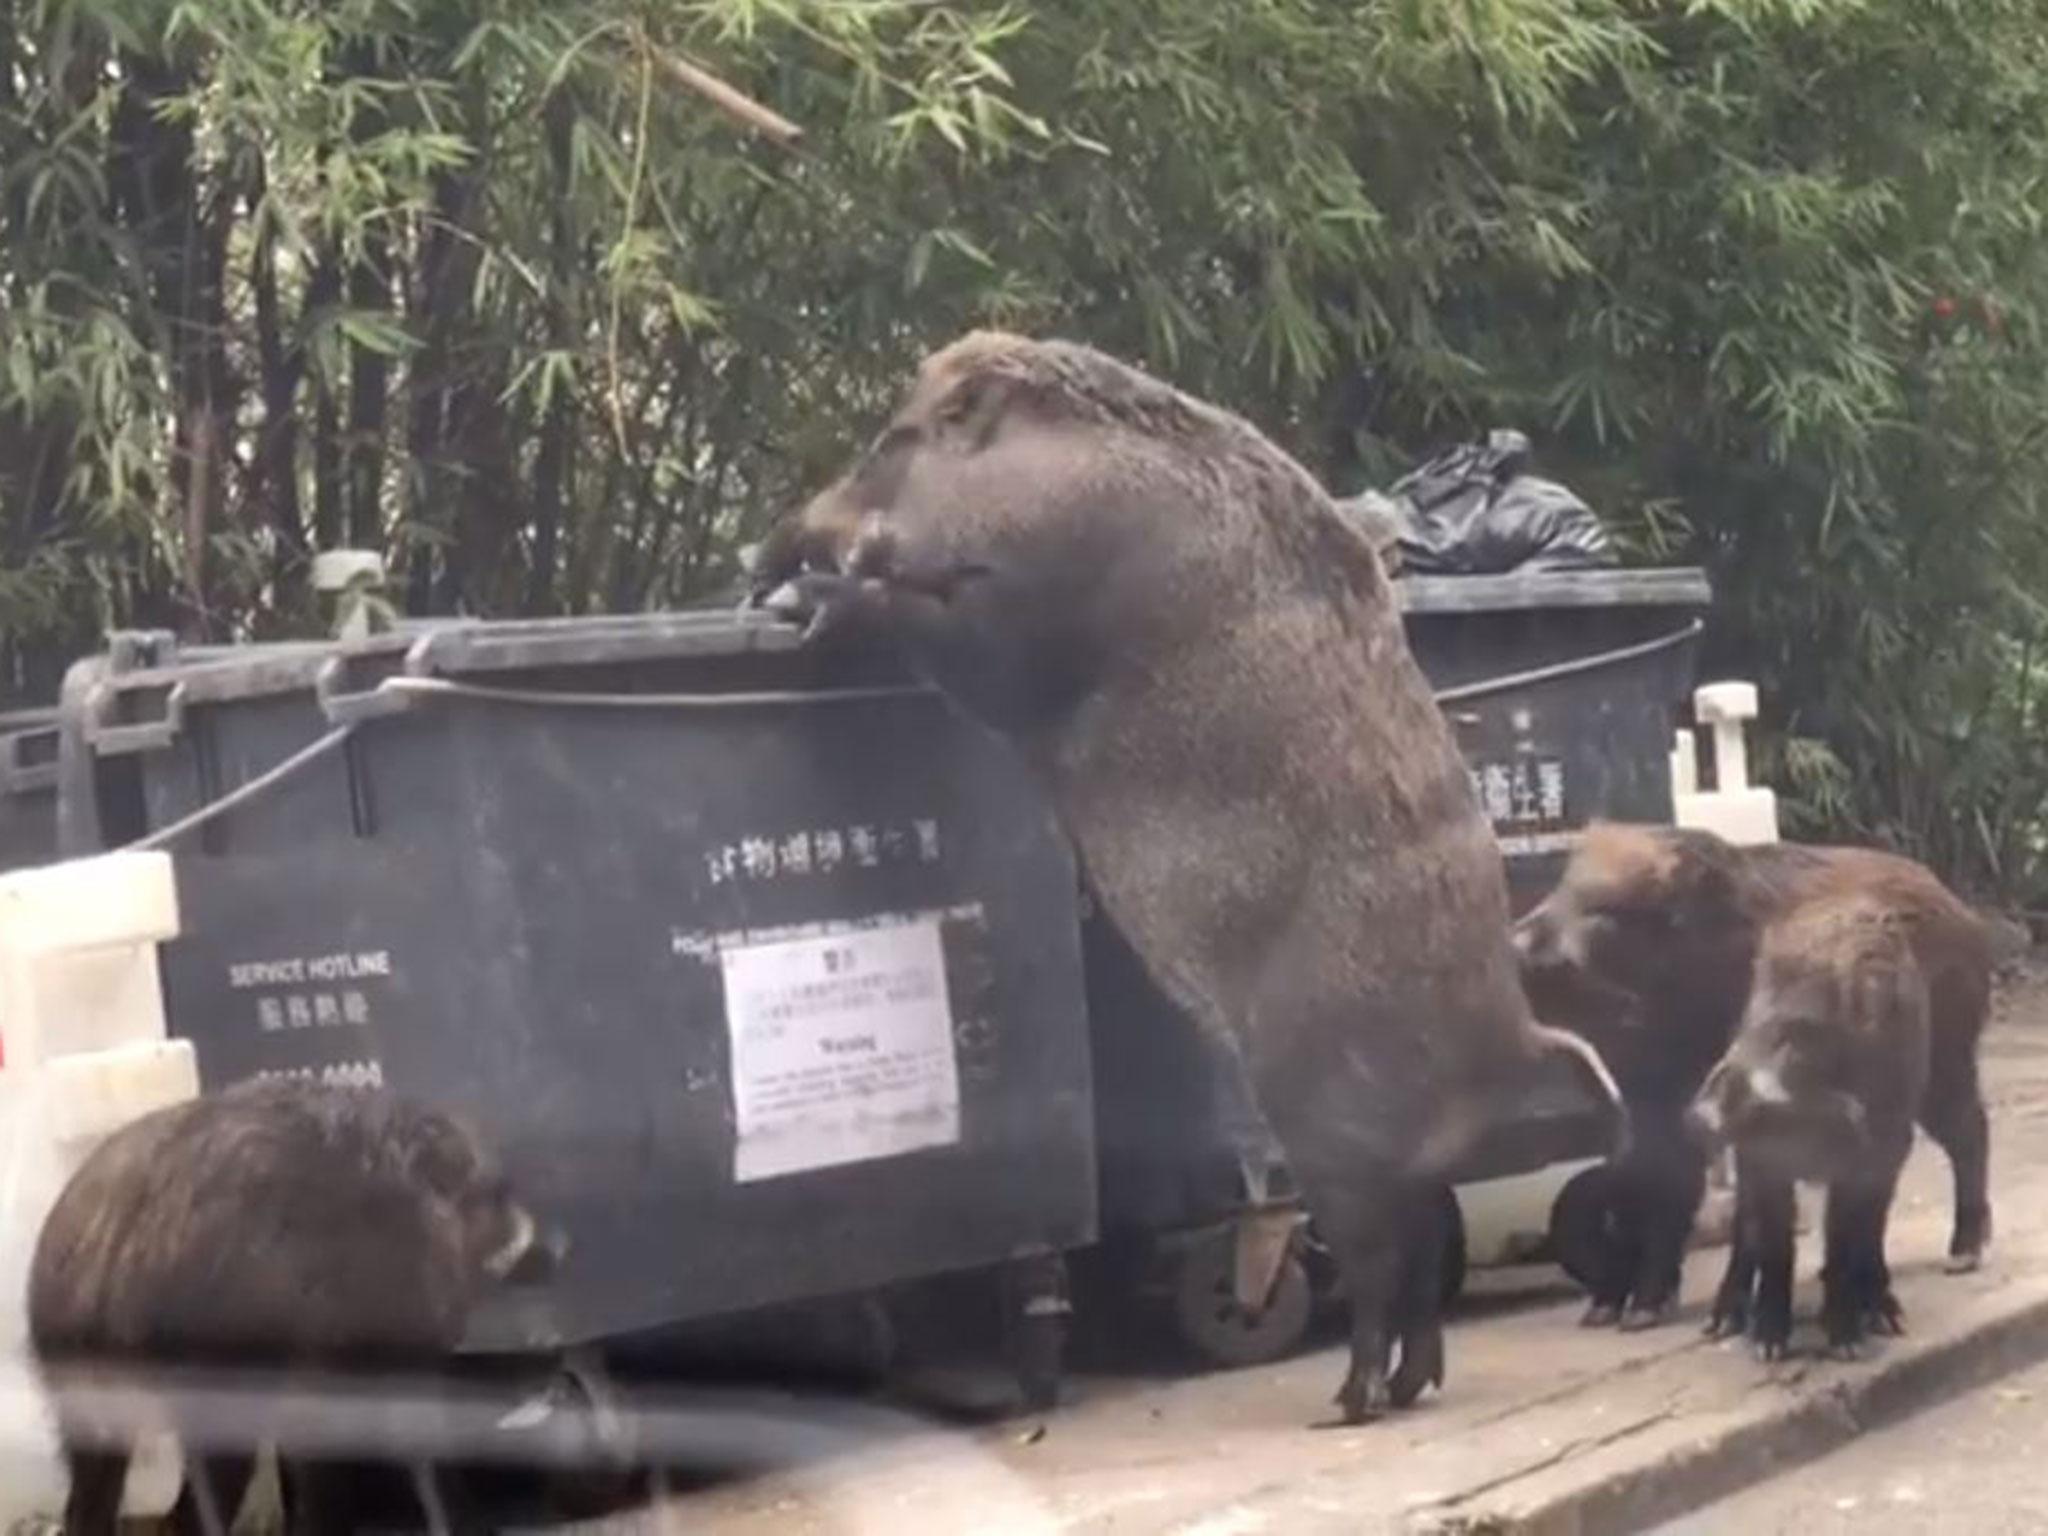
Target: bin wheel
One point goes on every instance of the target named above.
(1454, 1260)
(1209, 1320)
(1035, 1336)
(1038, 1349)
(1581, 1221)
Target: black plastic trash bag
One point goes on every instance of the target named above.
(1472, 511)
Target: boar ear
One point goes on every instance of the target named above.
(974, 407)
(1708, 886)
(437, 1153)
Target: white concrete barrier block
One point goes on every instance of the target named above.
(1748, 817)
(1713, 703)
(85, 1000)
(94, 1094)
(81, 904)
(1685, 764)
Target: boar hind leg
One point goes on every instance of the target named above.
(1417, 1318)
(1953, 1114)
(94, 1506)
(1362, 1222)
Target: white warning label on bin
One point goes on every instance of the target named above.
(842, 1049)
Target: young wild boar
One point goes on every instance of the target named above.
(1822, 1082)
(1647, 946)
(274, 1227)
(1204, 665)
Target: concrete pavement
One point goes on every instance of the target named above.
(1543, 1427)
(1974, 1464)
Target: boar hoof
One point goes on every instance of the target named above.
(1771, 1351)
(1364, 1397)
(1727, 1323)
(788, 601)
(1601, 1314)
(1886, 1317)
(1643, 1315)
(1422, 1365)
(1968, 1239)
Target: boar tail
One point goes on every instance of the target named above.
(1550, 1041)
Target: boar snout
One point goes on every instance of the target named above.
(531, 1253)
(1734, 1095)
(1706, 1118)
(1536, 941)
(1550, 940)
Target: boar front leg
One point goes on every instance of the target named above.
(1664, 1181)
(1770, 1235)
(1856, 1281)
(1736, 1297)
(97, 1478)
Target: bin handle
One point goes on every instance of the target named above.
(109, 739)
(342, 707)
(18, 776)
(1508, 682)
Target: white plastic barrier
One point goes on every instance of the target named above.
(1734, 808)
(82, 1052)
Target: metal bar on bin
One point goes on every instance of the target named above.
(447, 688)
(241, 794)
(1508, 682)
(402, 688)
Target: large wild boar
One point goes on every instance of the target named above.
(1648, 945)
(280, 1227)
(1203, 663)
(1822, 1082)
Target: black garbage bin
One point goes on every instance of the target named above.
(1564, 690)
(760, 964)
(28, 787)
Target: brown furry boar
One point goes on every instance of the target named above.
(278, 1227)
(1822, 1082)
(1204, 665)
(1648, 946)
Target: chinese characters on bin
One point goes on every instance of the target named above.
(1526, 792)
(821, 850)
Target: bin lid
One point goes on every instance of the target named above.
(472, 646)
(460, 646)
(1675, 587)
